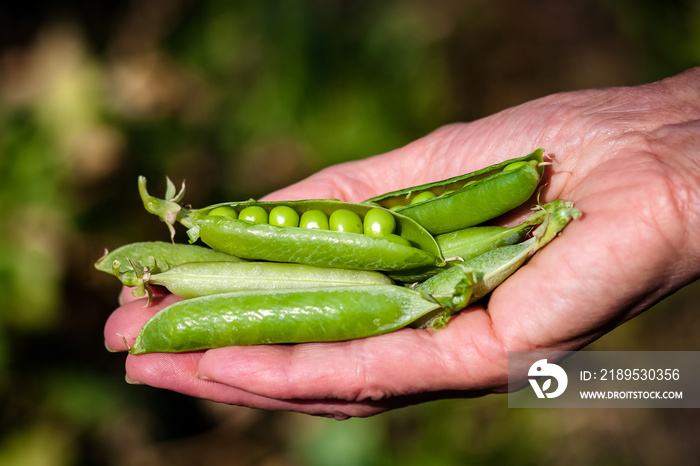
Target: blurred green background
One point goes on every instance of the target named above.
(242, 98)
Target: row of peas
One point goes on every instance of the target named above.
(377, 222)
(428, 194)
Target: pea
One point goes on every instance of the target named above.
(514, 166)
(379, 222)
(424, 196)
(314, 219)
(283, 316)
(346, 221)
(253, 214)
(284, 216)
(223, 211)
(397, 239)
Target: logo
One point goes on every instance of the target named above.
(542, 368)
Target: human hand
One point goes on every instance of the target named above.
(627, 158)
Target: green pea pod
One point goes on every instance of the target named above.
(493, 267)
(155, 255)
(470, 242)
(207, 278)
(291, 316)
(325, 248)
(470, 199)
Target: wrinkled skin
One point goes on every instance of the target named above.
(629, 158)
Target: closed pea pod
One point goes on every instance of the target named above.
(208, 278)
(292, 316)
(470, 199)
(155, 255)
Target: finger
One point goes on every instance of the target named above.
(178, 372)
(124, 323)
(463, 355)
(126, 297)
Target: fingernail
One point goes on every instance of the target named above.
(110, 349)
(131, 381)
(203, 377)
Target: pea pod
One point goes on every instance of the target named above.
(470, 199)
(152, 255)
(310, 246)
(470, 242)
(291, 316)
(493, 267)
(207, 278)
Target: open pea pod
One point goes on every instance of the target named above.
(469, 199)
(408, 246)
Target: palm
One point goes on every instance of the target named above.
(603, 270)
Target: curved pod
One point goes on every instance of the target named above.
(470, 199)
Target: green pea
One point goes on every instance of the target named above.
(223, 211)
(283, 316)
(379, 222)
(397, 239)
(284, 216)
(346, 221)
(253, 214)
(424, 196)
(314, 219)
(514, 166)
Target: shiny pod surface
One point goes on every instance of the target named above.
(313, 246)
(469, 199)
(294, 316)
(207, 278)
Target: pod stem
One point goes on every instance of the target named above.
(559, 214)
(168, 209)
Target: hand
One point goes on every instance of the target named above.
(627, 157)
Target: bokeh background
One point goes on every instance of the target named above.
(241, 98)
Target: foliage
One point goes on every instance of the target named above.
(243, 98)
